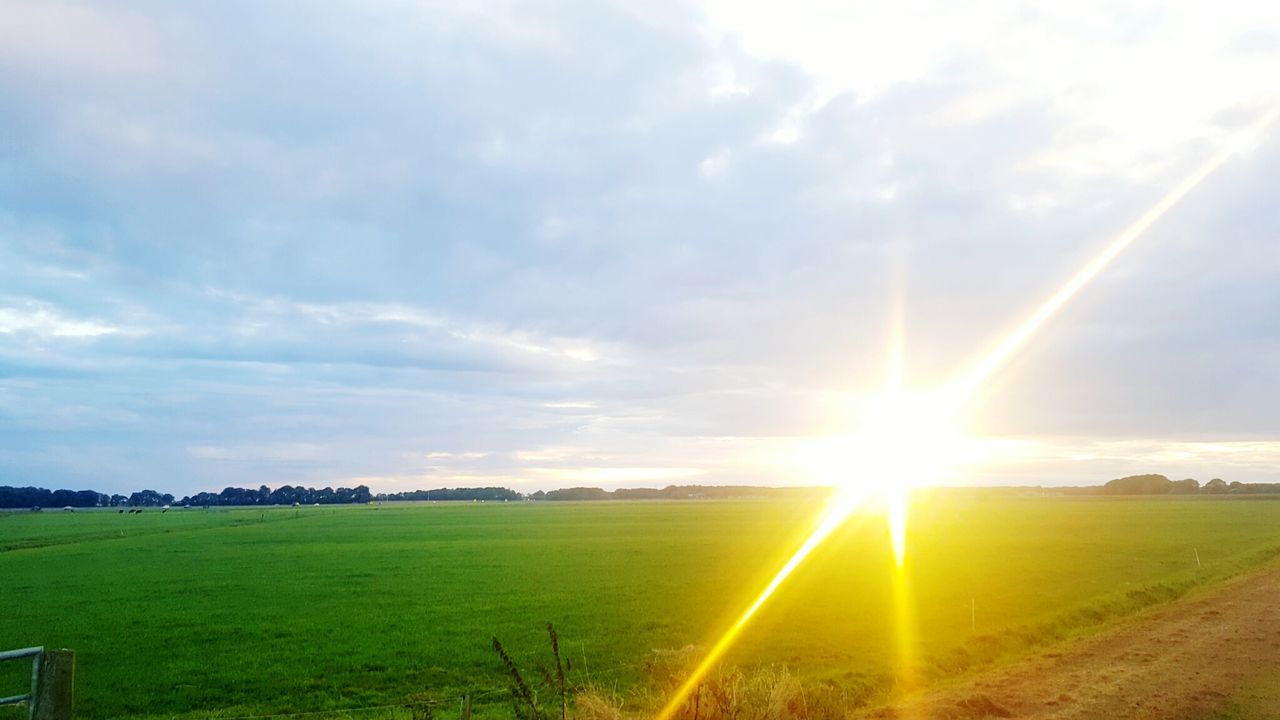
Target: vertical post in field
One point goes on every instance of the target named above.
(1197, 552)
(466, 707)
(973, 614)
(35, 681)
(55, 691)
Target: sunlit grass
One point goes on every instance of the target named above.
(281, 610)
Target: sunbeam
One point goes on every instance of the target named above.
(841, 507)
(969, 383)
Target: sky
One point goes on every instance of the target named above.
(439, 244)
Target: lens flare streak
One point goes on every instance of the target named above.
(971, 383)
(841, 507)
(904, 629)
(898, 501)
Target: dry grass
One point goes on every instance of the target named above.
(762, 693)
(594, 704)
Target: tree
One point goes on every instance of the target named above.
(1139, 485)
(149, 498)
(86, 498)
(1216, 486)
(578, 493)
(62, 498)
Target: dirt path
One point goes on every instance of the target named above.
(1178, 662)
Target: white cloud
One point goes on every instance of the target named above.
(614, 476)
(267, 316)
(270, 452)
(42, 320)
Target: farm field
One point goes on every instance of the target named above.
(258, 611)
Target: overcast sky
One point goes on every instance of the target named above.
(421, 244)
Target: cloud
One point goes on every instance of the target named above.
(430, 244)
(1072, 461)
(26, 317)
(79, 44)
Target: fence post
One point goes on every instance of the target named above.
(55, 693)
(466, 707)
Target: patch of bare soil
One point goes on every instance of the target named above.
(1178, 662)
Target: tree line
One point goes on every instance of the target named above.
(21, 497)
(26, 497)
(283, 495)
(1161, 485)
(29, 497)
(32, 497)
(496, 494)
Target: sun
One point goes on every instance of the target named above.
(902, 440)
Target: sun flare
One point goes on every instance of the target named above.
(904, 440)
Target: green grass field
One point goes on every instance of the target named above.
(248, 612)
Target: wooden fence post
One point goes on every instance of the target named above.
(55, 693)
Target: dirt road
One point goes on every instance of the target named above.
(1182, 661)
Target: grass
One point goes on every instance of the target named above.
(223, 613)
(1256, 700)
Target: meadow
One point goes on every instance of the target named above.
(246, 612)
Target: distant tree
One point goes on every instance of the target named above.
(1139, 485)
(1216, 486)
(202, 499)
(578, 493)
(455, 494)
(637, 494)
(62, 498)
(237, 496)
(149, 498)
(1185, 487)
(25, 497)
(85, 498)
